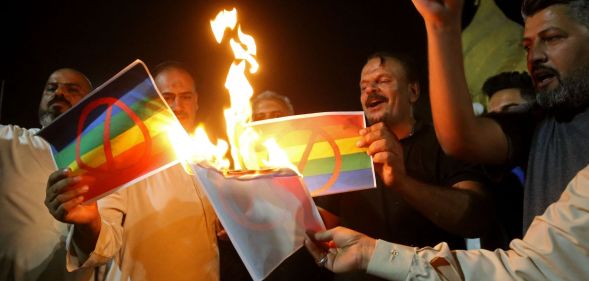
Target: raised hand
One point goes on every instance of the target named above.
(439, 13)
(345, 249)
(386, 151)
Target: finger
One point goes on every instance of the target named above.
(71, 194)
(316, 251)
(383, 158)
(57, 176)
(377, 147)
(62, 209)
(59, 199)
(369, 138)
(376, 127)
(71, 204)
(323, 236)
(61, 186)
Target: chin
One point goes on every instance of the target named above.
(375, 119)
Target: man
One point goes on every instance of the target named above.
(425, 197)
(556, 244)
(178, 89)
(507, 91)
(161, 228)
(31, 241)
(552, 140)
(269, 105)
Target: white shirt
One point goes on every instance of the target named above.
(556, 247)
(161, 228)
(32, 242)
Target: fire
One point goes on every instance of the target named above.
(244, 141)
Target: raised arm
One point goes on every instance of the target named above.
(460, 133)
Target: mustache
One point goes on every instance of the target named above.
(60, 99)
(539, 67)
(375, 96)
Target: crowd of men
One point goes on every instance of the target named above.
(518, 173)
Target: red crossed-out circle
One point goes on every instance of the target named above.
(110, 165)
(315, 133)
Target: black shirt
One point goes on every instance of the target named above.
(383, 213)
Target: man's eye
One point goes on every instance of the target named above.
(51, 87)
(552, 38)
(73, 91)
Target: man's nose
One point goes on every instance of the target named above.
(59, 91)
(536, 55)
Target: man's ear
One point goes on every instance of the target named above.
(414, 92)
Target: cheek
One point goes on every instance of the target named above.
(569, 58)
(74, 99)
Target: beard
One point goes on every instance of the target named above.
(385, 117)
(51, 112)
(571, 95)
(47, 116)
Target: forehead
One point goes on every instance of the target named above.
(511, 94)
(269, 105)
(555, 16)
(65, 76)
(390, 66)
(174, 80)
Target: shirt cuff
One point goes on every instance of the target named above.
(391, 261)
(76, 258)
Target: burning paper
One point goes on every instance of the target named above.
(117, 135)
(264, 213)
(323, 148)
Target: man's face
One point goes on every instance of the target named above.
(268, 109)
(504, 100)
(385, 93)
(558, 50)
(64, 89)
(178, 89)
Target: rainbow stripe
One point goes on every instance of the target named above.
(323, 147)
(116, 135)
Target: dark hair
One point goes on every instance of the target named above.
(273, 95)
(579, 9)
(406, 61)
(173, 65)
(510, 80)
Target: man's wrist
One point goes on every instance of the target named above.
(367, 251)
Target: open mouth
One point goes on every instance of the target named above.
(543, 77)
(375, 101)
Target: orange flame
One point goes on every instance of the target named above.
(242, 139)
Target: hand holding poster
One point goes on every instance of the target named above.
(117, 135)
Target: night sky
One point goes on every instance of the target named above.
(311, 51)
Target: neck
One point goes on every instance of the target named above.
(404, 130)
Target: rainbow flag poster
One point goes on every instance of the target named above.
(323, 147)
(116, 135)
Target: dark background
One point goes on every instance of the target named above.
(311, 51)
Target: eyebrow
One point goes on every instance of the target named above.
(64, 84)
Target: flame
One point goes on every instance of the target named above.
(224, 19)
(245, 143)
(198, 148)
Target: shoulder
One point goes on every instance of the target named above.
(15, 131)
